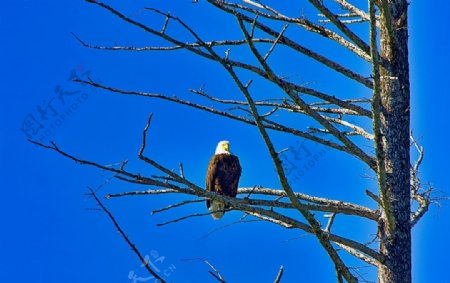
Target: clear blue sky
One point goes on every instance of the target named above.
(50, 232)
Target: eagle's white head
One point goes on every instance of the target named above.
(223, 147)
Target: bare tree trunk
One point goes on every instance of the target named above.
(395, 229)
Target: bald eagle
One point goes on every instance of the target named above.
(222, 177)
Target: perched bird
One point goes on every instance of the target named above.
(222, 177)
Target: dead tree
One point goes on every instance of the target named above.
(384, 46)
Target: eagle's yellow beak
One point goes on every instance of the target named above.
(226, 147)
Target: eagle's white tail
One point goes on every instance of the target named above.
(218, 209)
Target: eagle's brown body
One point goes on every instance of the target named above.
(222, 177)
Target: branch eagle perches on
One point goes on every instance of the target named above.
(264, 209)
(333, 117)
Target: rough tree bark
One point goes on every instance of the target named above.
(395, 237)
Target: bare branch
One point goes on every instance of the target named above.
(125, 237)
(358, 100)
(216, 274)
(359, 255)
(325, 205)
(424, 204)
(347, 22)
(358, 130)
(166, 22)
(330, 222)
(171, 48)
(339, 277)
(376, 106)
(420, 150)
(313, 207)
(365, 16)
(279, 275)
(269, 113)
(423, 199)
(147, 192)
(277, 40)
(254, 4)
(175, 205)
(240, 221)
(181, 170)
(276, 221)
(374, 197)
(342, 27)
(187, 217)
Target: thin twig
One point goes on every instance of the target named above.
(181, 170)
(216, 273)
(279, 275)
(330, 222)
(178, 204)
(374, 197)
(240, 221)
(188, 217)
(277, 40)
